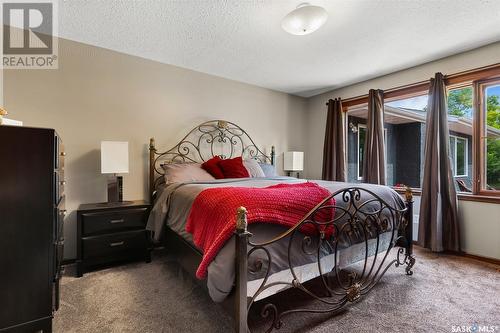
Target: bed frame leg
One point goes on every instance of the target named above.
(242, 234)
(409, 219)
(408, 232)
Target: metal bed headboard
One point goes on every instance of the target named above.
(212, 138)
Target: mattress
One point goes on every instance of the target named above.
(173, 205)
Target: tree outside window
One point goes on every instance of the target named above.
(493, 143)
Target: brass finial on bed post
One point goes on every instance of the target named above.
(408, 194)
(241, 220)
(221, 123)
(152, 144)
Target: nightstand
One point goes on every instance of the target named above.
(112, 232)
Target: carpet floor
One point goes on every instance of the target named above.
(445, 292)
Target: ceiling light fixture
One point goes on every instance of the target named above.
(304, 20)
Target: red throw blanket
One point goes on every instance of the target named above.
(212, 219)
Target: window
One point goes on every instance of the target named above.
(404, 134)
(474, 133)
(405, 139)
(356, 132)
(405, 122)
(459, 155)
(460, 125)
(489, 147)
(361, 147)
(407, 118)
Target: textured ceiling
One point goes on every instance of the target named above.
(243, 40)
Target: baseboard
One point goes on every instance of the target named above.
(481, 258)
(489, 260)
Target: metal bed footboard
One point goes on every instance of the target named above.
(362, 215)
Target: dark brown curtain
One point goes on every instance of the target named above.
(334, 163)
(374, 154)
(438, 224)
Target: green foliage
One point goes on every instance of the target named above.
(493, 164)
(460, 102)
(493, 146)
(493, 111)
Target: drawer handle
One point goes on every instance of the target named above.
(117, 243)
(117, 221)
(63, 182)
(63, 153)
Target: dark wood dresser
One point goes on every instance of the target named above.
(112, 232)
(31, 227)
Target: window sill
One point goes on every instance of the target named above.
(402, 190)
(478, 198)
(461, 196)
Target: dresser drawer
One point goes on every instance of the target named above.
(58, 227)
(112, 244)
(102, 222)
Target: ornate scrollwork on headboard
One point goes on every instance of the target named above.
(212, 138)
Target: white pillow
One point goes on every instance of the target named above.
(268, 169)
(253, 168)
(185, 172)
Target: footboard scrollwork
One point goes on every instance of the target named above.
(348, 252)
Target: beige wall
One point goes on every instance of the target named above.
(480, 222)
(480, 228)
(97, 94)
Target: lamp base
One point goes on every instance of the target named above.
(115, 189)
(289, 174)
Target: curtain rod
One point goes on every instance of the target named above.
(453, 77)
(387, 90)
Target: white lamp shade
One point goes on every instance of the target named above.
(304, 20)
(114, 157)
(294, 161)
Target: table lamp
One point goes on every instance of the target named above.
(114, 160)
(294, 161)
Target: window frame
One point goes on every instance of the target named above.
(359, 177)
(358, 126)
(466, 156)
(479, 131)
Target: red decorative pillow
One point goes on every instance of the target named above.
(212, 167)
(233, 168)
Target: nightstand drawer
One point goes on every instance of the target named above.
(111, 233)
(103, 222)
(108, 245)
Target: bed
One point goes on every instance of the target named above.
(369, 224)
